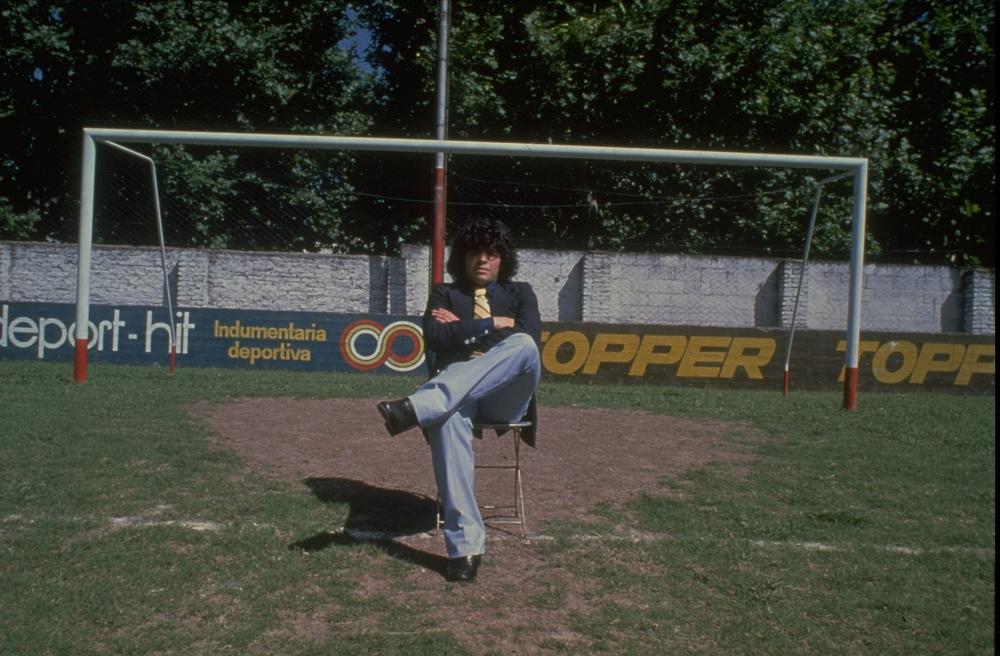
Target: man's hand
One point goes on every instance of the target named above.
(443, 315)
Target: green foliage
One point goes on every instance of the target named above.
(15, 225)
(905, 84)
(835, 78)
(175, 64)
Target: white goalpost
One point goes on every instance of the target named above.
(856, 167)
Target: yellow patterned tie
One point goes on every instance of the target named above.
(482, 306)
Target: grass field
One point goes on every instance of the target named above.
(847, 533)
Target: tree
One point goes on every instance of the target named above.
(940, 171)
(173, 64)
(831, 77)
(907, 84)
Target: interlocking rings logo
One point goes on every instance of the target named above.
(385, 341)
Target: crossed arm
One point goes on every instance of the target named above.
(444, 315)
(446, 331)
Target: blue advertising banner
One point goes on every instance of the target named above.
(216, 338)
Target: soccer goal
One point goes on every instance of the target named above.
(857, 168)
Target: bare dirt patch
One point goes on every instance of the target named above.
(585, 457)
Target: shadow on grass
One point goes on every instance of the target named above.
(378, 516)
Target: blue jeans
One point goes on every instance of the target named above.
(495, 387)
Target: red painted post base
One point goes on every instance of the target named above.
(851, 388)
(437, 243)
(80, 361)
(786, 384)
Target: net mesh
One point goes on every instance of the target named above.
(342, 201)
(633, 225)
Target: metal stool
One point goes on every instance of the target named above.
(513, 429)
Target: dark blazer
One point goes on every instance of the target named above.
(458, 340)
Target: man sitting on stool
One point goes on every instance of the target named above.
(483, 332)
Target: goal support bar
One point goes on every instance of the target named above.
(858, 167)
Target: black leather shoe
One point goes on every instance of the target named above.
(463, 569)
(398, 415)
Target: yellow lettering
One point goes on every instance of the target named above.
(974, 364)
(695, 357)
(571, 338)
(880, 364)
(648, 354)
(864, 346)
(738, 357)
(928, 361)
(599, 353)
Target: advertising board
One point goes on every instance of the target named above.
(673, 355)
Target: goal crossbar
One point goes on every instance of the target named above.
(858, 167)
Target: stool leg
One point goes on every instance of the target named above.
(518, 487)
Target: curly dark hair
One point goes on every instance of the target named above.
(482, 233)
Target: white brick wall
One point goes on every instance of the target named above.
(298, 282)
(5, 275)
(557, 278)
(571, 286)
(979, 311)
(48, 273)
(895, 297)
(688, 290)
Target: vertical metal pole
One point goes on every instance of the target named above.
(798, 291)
(172, 346)
(163, 261)
(802, 275)
(440, 201)
(83, 268)
(856, 287)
